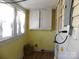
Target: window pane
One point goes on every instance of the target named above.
(6, 19)
(34, 19)
(20, 22)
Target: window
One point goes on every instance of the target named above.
(34, 19)
(20, 22)
(40, 19)
(10, 25)
(6, 20)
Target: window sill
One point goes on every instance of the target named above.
(10, 39)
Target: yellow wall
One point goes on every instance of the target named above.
(12, 49)
(43, 38)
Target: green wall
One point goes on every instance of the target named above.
(12, 49)
(44, 39)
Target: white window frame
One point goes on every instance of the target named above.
(14, 32)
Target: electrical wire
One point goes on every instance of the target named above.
(11, 2)
(61, 37)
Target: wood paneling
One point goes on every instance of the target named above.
(60, 14)
(75, 15)
(75, 11)
(75, 2)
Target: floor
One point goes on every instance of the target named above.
(40, 55)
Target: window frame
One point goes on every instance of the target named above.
(14, 32)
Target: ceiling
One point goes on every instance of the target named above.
(37, 4)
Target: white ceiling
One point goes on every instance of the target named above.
(37, 4)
